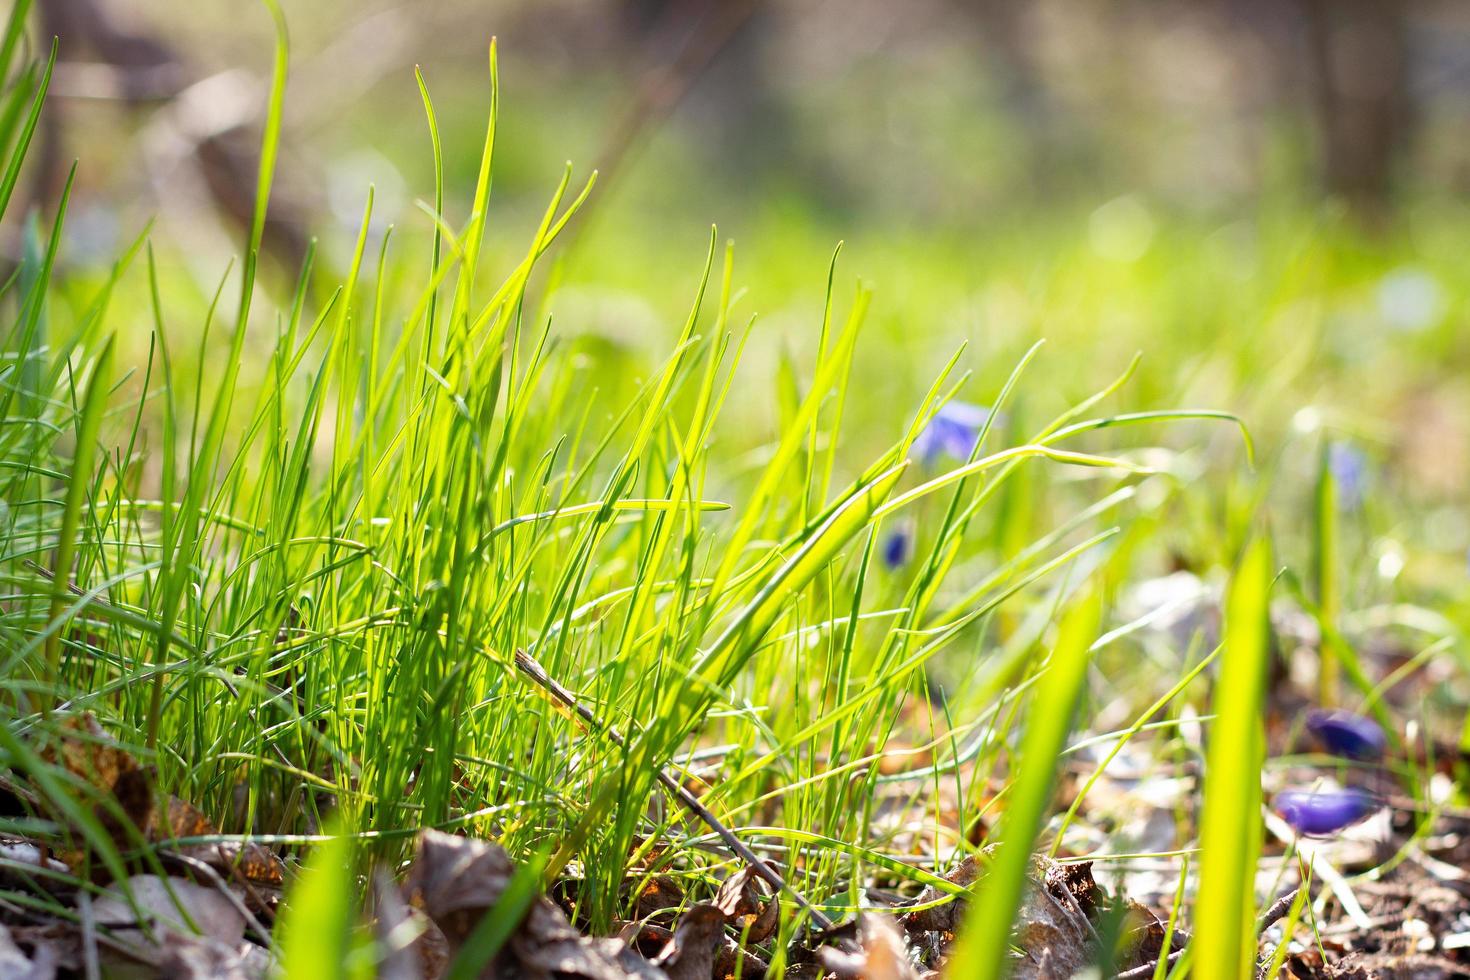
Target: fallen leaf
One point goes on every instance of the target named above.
(203, 958)
(85, 750)
(456, 881)
(16, 965)
(655, 895)
(751, 912)
(945, 917)
(165, 910)
(690, 954)
(882, 953)
(232, 859)
(405, 936)
(1052, 929)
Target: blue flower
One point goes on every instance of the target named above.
(1321, 814)
(1350, 469)
(897, 548)
(1346, 734)
(953, 431)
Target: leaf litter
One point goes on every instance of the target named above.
(1389, 898)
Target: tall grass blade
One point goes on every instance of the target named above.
(94, 404)
(982, 951)
(1230, 827)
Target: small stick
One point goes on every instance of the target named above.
(1148, 969)
(528, 666)
(1278, 909)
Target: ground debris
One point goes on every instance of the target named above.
(40, 964)
(1417, 920)
(129, 810)
(883, 953)
(1055, 926)
(455, 881)
(748, 907)
(690, 953)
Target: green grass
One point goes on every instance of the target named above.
(1230, 826)
(982, 950)
(295, 536)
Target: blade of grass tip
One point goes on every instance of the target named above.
(438, 246)
(1230, 826)
(316, 923)
(18, 153)
(1167, 946)
(1324, 568)
(982, 950)
(205, 460)
(93, 407)
(475, 234)
(14, 28)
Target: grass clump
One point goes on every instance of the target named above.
(293, 569)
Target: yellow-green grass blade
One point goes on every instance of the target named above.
(1230, 827)
(1325, 571)
(316, 923)
(982, 950)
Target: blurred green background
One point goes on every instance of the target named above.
(1265, 197)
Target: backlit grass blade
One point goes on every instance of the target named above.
(94, 404)
(14, 28)
(315, 927)
(845, 521)
(982, 950)
(27, 131)
(1230, 826)
(1324, 568)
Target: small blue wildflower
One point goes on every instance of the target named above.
(898, 548)
(1350, 469)
(953, 431)
(1346, 734)
(1323, 813)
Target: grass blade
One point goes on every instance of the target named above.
(93, 406)
(982, 951)
(1230, 827)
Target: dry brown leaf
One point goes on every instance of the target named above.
(882, 953)
(655, 895)
(1052, 928)
(89, 753)
(202, 958)
(457, 880)
(752, 913)
(405, 937)
(690, 954)
(946, 917)
(1053, 925)
(232, 859)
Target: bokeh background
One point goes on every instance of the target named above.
(1268, 198)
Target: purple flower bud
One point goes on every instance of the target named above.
(897, 547)
(1324, 813)
(953, 431)
(1346, 734)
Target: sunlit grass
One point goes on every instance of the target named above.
(289, 554)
